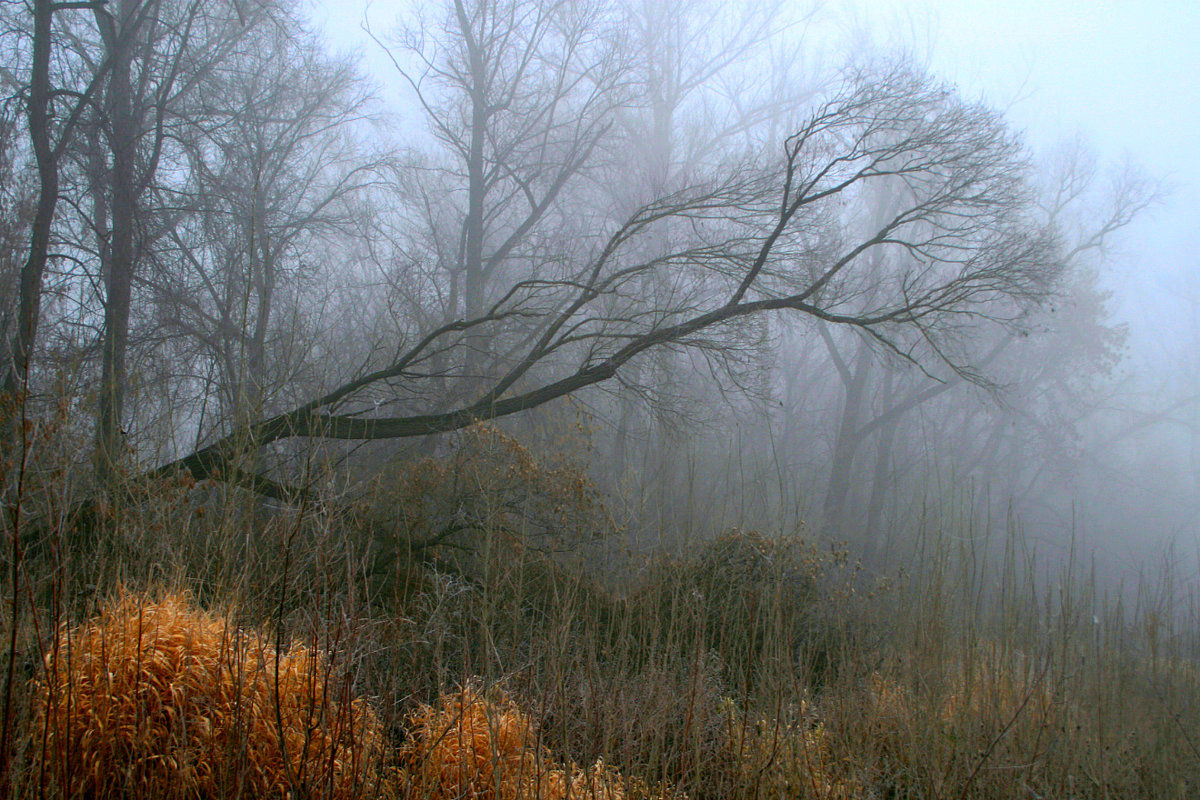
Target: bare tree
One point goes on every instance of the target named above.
(1042, 377)
(518, 95)
(713, 79)
(18, 193)
(53, 114)
(159, 52)
(272, 173)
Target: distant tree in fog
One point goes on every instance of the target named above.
(271, 175)
(517, 95)
(713, 80)
(1044, 377)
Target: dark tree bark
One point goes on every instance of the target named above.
(123, 137)
(17, 364)
(855, 380)
(47, 153)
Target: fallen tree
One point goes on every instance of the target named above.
(962, 240)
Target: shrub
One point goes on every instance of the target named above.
(157, 698)
(750, 598)
(471, 748)
(786, 757)
(489, 488)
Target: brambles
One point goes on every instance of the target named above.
(489, 484)
(156, 698)
(751, 666)
(490, 501)
(754, 600)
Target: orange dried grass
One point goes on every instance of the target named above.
(473, 748)
(161, 699)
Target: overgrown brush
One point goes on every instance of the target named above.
(790, 755)
(747, 666)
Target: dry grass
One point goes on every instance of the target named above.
(789, 757)
(157, 698)
(470, 747)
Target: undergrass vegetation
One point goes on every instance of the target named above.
(479, 626)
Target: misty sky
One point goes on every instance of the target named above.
(1125, 76)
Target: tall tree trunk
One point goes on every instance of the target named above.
(474, 289)
(16, 363)
(884, 445)
(118, 271)
(257, 297)
(847, 442)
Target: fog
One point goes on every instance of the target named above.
(1121, 78)
(865, 271)
(1119, 81)
(615, 398)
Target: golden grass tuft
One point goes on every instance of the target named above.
(157, 698)
(470, 747)
(792, 757)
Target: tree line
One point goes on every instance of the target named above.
(216, 245)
